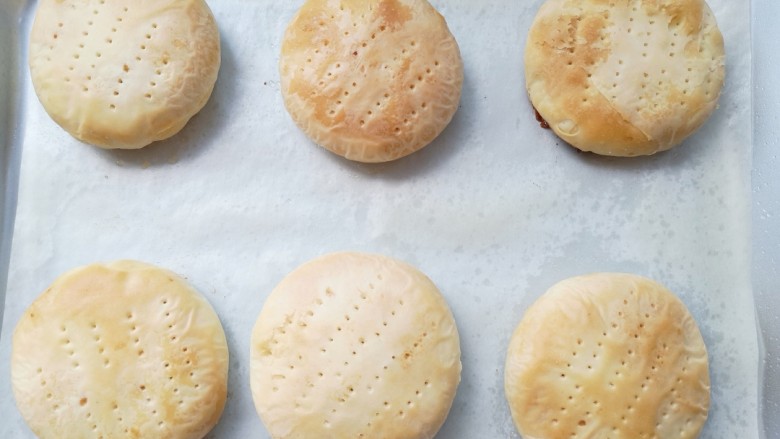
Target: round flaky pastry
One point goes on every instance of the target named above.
(370, 80)
(120, 350)
(354, 345)
(607, 356)
(624, 77)
(123, 73)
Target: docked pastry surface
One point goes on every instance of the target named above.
(120, 350)
(122, 73)
(370, 80)
(624, 77)
(608, 355)
(354, 345)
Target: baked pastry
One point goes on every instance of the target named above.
(119, 350)
(624, 77)
(607, 355)
(123, 73)
(354, 345)
(370, 80)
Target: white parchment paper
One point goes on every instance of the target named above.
(495, 211)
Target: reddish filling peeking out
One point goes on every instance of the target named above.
(542, 123)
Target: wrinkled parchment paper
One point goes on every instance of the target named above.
(495, 211)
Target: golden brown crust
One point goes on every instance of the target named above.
(354, 345)
(123, 74)
(625, 77)
(370, 80)
(120, 350)
(607, 355)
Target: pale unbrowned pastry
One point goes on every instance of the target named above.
(370, 80)
(607, 355)
(353, 345)
(624, 77)
(123, 73)
(120, 350)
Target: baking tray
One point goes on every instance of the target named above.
(11, 74)
(766, 205)
(209, 204)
